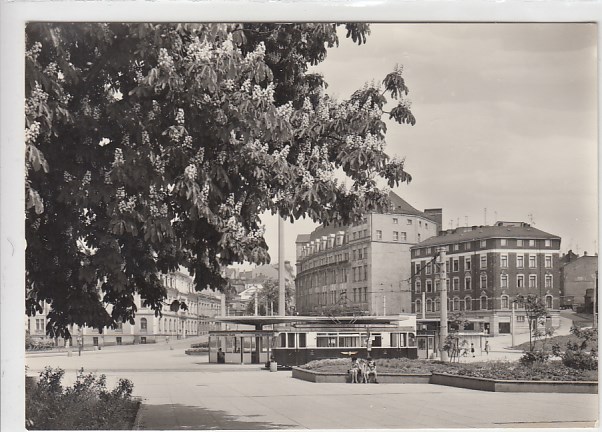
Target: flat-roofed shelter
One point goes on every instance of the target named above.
(250, 339)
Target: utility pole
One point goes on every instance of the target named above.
(443, 291)
(281, 287)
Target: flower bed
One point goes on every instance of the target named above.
(552, 371)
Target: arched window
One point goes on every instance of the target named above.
(549, 301)
(456, 304)
(468, 303)
(429, 305)
(483, 302)
(505, 302)
(143, 324)
(418, 306)
(418, 286)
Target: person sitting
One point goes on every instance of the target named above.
(371, 371)
(354, 371)
(221, 356)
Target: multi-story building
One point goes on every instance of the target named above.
(203, 307)
(487, 267)
(578, 275)
(363, 268)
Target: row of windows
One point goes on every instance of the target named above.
(396, 236)
(323, 298)
(520, 283)
(360, 273)
(457, 304)
(410, 222)
(455, 267)
(361, 253)
(483, 244)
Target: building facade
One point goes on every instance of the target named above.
(203, 307)
(578, 275)
(363, 268)
(487, 268)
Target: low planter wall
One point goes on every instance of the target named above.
(516, 386)
(482, 384)
(332, 377)
(197, 351)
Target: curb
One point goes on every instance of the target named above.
(139, 416)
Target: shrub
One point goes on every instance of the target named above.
(576, 355)
(530, 358)
(88, 404)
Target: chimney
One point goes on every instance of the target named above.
(435, 214)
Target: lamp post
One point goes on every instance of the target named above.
(443, 294)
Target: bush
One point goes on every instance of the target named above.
(576, 355)
(530, 358)
(86, 405)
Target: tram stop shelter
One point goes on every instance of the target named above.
(253, 339)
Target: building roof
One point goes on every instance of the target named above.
(401, 206)
(303, 238)
(398, 206)
(464, 234)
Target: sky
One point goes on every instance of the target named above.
(506, 123)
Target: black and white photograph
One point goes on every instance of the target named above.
(301, 224)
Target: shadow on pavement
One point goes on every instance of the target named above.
(177, 416)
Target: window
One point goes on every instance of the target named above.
(437, 285)
(549, 302)
(395, 221)
(519, 242)
(520, 318)
(416, 268)
(483, 261)
(354, 253)
(365, 293)
(418, 287)
(532, 261)
(532, 281)
(359, 254)
(531, 243)
(548, 261)
(520, 281)
(503, 242)
(379, 235)
(467, 263)
(456, 247)
(354, 295)
(505, 302)
(404, 236)
(468, 283)
(426, 226)
(483, 302)
(429, 268)
(467, 303)
(429, 286)
(548, 281)
(409, 221)
(437, 305)
(483, 281)
(504, 261)
(291, 340)
(520, 261)
(355, 235)
(456, 265)
(418, 306)
(395, 236)
(420, 224)
(504, 281)
(429, 305)
(483, 243)
(365, 272)
(456, 284)
(143, 324)
(428, 251)
(548, 243)
(418, 238)
(302, 340)
(456, 304)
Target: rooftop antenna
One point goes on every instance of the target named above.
(531, 220)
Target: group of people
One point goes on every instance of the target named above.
(363, 371)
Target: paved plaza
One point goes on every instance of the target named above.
(185, 392)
